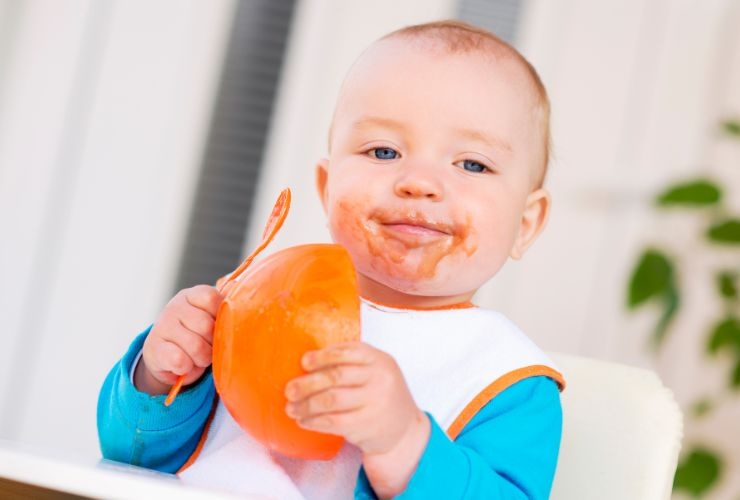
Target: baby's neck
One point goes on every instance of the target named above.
(380, 294)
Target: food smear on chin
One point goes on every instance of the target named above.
(390, 251)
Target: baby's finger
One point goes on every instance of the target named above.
(170, 358)
(346, 353)
(339, 423)
(334, 376)
(204, 297)
(197, 348)
(197, 321)
(335, 400)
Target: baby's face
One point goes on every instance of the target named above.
(430, 182)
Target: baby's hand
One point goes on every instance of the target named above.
(358, 392)
(180, 340)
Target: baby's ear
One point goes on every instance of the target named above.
(322, 178)
(534, 219)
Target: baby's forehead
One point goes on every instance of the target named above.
(398, 52)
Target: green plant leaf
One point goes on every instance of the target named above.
(652, 277)
(726, 232)
(702, 407)
(726, 333)
(731, 127)
(671, 302)
(699, 192)
(727, 284)
(698, 472)
(735, 378)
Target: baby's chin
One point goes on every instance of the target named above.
(436, 286)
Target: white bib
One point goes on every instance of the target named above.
(454, 362)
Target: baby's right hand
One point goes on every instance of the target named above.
(180, 341)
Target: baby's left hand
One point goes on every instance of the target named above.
(358, 392)
(355, 391)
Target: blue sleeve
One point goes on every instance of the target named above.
(136, 428)
(509, 450)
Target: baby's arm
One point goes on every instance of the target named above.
(507, 451)
(134, 426)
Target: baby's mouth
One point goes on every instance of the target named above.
(412, 231)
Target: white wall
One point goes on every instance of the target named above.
(105, 108)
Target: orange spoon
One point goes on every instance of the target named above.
(274, 223)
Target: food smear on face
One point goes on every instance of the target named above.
(393, 236)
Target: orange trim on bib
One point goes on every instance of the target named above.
(203, 438)
(459, 305)
(495, 388)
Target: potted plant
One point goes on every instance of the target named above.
(656, 279)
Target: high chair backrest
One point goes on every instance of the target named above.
(622, 433)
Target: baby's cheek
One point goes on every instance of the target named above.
(345, 224)
(492, 251)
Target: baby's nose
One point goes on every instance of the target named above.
(418, 185)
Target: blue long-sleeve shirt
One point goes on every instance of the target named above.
(507, 451)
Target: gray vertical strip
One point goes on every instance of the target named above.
(56, 212)
(11, 16)
(236, 141)
(499, 16)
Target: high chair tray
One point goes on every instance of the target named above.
(28, 472)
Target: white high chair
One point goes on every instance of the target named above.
(622, 433)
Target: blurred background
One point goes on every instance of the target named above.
(143, 143)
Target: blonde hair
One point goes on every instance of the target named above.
(460, 37)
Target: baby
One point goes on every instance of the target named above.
(437, 155)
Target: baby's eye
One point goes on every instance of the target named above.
(474, 166)
(384, 153)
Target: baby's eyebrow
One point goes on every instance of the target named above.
(378, 120)
(493, 142)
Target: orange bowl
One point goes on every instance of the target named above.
(299, 299)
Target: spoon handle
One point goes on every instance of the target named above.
(273, 225)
